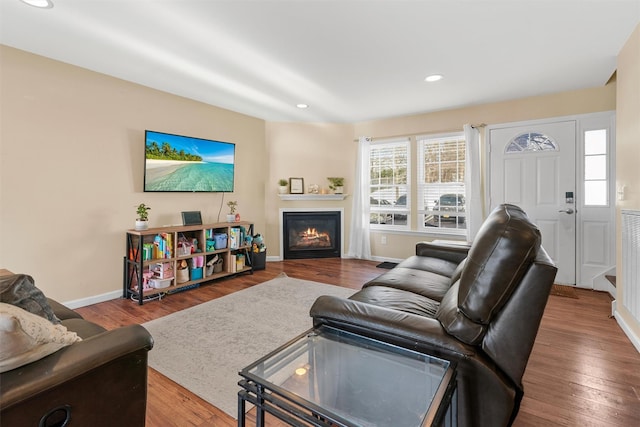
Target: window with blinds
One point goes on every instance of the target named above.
(389, 184)
(441, 186)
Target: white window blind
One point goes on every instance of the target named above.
(441, 183)
(389, 167)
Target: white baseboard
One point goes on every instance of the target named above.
(83, 302)
(635, 340)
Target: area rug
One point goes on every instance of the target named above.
(204, 347)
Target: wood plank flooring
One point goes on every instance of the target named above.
(583, 370)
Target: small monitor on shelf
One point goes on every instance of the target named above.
(191, 218)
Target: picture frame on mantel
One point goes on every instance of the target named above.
(296, 185)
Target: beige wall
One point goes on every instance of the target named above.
(71, 160)
(312, 151)
(401, 245)
(71, 170)
(628, 152)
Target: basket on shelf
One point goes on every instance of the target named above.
(182, 273)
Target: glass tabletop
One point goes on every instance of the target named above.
(356, 380)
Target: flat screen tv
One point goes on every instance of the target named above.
(175, 163)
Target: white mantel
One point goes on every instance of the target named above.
(291, 197)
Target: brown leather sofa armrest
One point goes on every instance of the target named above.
(450, 252)
(481, 387)
(408, 330)
(71, 362)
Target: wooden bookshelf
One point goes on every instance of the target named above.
(155, 259)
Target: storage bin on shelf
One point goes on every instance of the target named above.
(220, 240)
(217, 266)
(214, 265)
(160, 283)
(259, 260)
(182, 272)
(196, 273)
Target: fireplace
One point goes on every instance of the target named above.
(311, 234)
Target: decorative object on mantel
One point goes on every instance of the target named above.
(296, 185)
(282, 186)
(142, 222)
(337, 185)
(314, 189)
(232, 216)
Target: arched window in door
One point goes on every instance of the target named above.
(531, 141)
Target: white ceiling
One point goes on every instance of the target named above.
(349, 60)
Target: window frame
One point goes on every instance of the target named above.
(390, 212)
(430, 219)
(606, 159)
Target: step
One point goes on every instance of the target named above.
(611, 279)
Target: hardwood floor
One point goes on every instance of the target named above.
(583, 370)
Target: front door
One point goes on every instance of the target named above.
(533, 166)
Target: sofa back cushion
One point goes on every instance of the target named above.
(502, 252)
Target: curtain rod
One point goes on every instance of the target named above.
(475, 126)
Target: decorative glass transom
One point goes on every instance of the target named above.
(531, 141)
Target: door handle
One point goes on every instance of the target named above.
(567, 211)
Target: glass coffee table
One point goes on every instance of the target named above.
(328, 377)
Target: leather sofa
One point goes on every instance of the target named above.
(479, 305)
(99, 381)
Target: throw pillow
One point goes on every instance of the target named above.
(20, 290)
(26, 337)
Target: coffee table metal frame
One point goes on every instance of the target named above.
(296, 410)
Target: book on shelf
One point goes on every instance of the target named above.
(163, 246)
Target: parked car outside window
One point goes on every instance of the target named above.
(402, 202)
(448, 205)
(379, 217)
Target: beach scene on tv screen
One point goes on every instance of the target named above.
(181, 163)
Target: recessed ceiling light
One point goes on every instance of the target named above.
(433, 78)
(302, 106)
(43, 4)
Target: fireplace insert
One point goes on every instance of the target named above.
(311, 234)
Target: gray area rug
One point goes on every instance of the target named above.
(204, 347)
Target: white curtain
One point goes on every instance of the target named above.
(359, 240)
(472, 182)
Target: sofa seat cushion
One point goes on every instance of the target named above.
(26, 337)
(438, 266)
(425, 283)
(397, 299)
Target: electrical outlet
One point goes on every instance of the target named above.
(383, 240)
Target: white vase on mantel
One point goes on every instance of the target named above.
(231, 217)
(282, 189)
(338, 190)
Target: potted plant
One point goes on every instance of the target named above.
(232, 216)
(142, 221)
(282, 186)
(337, 185)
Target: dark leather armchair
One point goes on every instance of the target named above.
(480, 306)
(99, 381)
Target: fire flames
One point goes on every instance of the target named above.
(313, 237)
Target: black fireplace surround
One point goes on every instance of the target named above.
(312, 234)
